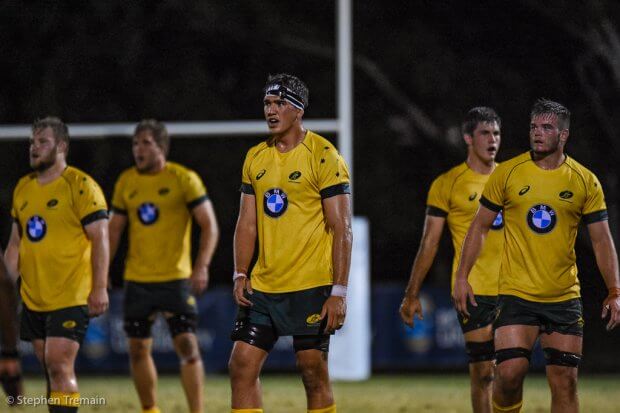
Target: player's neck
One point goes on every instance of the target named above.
(479, 166)
(156, 168)
(52, 173)
(548, 161)
(290, 139)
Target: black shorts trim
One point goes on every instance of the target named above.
(192, 204)
(436, 212)
(95, 216)
(490, 205)
(597, 216)
(338, 189)
(246, 189)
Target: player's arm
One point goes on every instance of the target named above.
(337, 210)
(431, 235)
(607, 262)
(244, 243)
(204, 215)
(97, 233)
(472, 245)
(11, 255)
(116, 226)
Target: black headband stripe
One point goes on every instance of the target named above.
(286, 94)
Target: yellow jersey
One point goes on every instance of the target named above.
(158, 209)
(542, 210)
(295, 244)
(54, 251)
(454, 195)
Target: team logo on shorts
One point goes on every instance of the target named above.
(499, 221)
(313, 319)
(148, 213)
(275, 202)
(69, 324)
(541, 218)
(36, 228)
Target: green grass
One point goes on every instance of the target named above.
(381, 394)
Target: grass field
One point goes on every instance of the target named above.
(381, 394)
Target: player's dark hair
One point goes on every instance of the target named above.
(480, 114)
(545, 107)
(291, 82)
(159, 132)
(60, 130)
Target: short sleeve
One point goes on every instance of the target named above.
(594, 209)
(90, 203)
(118, 201)
(438, 198)
(194, 190)
(493, 193)
(246, 177)
(333, 174)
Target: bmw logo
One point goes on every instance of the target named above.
(499, 221)
(36, 228)
(541, 218)
(148, 213)
(275, 202)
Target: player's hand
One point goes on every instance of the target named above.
(242, 284)
(460, 294)
(409, 308)
(98, 301)
(199, 279)
(335, 309)
(611, 306)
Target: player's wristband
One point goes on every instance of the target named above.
(238, 275)
(9, 354)
(339, 290)
(613, 292)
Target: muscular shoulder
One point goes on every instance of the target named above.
(319, 146)
(24, 181)
(127, 175)
(513, 164)
(76, 177)
(453, 173)
(255, 150)
(178, 170)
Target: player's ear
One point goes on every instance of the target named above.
(300, 114)
(62, 147)
(468, 139)
(564, 135)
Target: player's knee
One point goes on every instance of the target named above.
(480, 351)
(240, 369)
(483, 378)
(58, 370)
(313, 371)
(187, 349)
(557, 357)
(139, 349)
